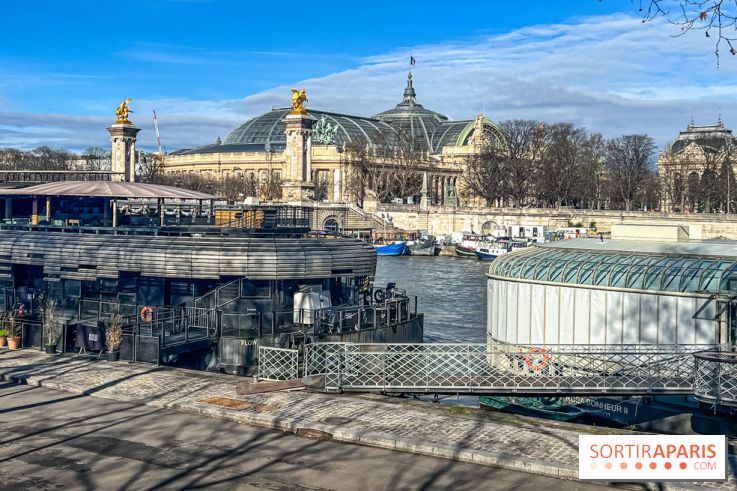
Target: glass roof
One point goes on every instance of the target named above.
(626, 270)
(269, 128)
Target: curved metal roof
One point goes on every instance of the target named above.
(645, 270)
(269, 129)
(713, 137)
(106, 189)
(88, 257)
(457, 133)
(412, 118)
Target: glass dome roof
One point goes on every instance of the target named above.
(269, 128)
(619, 269)
(412, 118)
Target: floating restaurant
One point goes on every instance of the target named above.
(197, 284)
(648, 288)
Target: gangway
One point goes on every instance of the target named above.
(498, 369)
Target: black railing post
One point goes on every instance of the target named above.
(218, 323)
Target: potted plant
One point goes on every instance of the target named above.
(114, 335)
(51, 327)
(13, 330)
(3, 337)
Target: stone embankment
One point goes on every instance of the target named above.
(464, 434)
(439, 220)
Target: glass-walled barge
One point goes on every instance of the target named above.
(203, 296)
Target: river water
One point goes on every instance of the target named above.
(451, 291)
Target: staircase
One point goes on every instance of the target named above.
(357, 218)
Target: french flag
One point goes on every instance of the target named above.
(412, 61)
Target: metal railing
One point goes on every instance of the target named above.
(715, 377)
(277, 363)
(504, 369)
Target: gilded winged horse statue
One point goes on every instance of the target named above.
(299, 97)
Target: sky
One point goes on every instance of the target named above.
(207, 66)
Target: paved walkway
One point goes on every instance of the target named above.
(384, 422)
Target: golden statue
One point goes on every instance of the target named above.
(122, 112)
(299, 97)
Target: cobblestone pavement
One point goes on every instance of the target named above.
(375, 421)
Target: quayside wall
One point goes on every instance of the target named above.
(438, 220)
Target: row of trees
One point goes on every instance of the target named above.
(562, 164)
(46, 158)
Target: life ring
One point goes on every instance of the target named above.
(537, 359)
(379, 296)
(147, 314)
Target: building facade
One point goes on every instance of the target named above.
(696, 170)
(350, 157)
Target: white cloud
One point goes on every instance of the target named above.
(612, 74)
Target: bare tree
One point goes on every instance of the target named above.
(96, 159)
(524, 144)
(559, 164)
(715, 18)
(151, 169)
(486, 173)
(628, 164)
(392, 166)
(593, 180)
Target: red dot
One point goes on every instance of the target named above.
(608, 465)
(668, 465)
(683, 465)
(653, 465)
(638, 465)
(623, 465)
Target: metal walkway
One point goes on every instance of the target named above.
(483, 369)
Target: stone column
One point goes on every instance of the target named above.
(337, 194)
(425, 199)
(123, 155)
(297, 185)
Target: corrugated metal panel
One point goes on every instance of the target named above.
(87, 257)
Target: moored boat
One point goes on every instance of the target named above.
(465, 251)
(549, 408)
(397, 249)
(425, 246)
(486, 253)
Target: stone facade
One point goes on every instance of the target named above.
(268, 144)
(437, 220)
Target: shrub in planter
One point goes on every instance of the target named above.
(3, 338)
(114, 335)
(51, 327)
(13, 330)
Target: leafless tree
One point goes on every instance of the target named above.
(392, 166)
(524, 141)
(487, 173)
(593, 181)
(715, 18)
(151, 169)
(628, 164)
(96, 159)
(559, 164)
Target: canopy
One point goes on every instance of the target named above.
(106, 189)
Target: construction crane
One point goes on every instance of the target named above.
(158, 137)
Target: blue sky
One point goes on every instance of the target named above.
(206, 66)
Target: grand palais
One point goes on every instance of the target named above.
(258, 148)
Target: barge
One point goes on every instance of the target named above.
(193, 291)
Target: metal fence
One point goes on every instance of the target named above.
(715, 378)
(504, 369)
(277, 363)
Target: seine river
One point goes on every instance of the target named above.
(451, 292)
